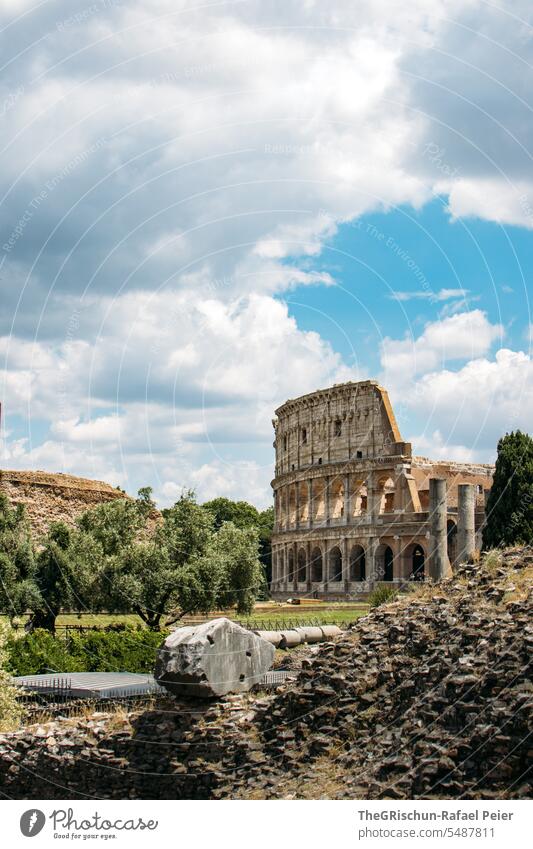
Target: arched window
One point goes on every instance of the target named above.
(302, 567)
(335, 565)
(418, 563)
(291, 566)
(451, 533)
(388, 559)
(316, 565)
(357, 563)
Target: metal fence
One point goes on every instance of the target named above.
(41, 704)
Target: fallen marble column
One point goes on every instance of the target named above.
(212, 659)
(296, 636)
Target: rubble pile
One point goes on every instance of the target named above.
(429, 697)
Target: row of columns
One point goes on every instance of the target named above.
(466, 526)
(374, 497)
(373, 549)
(437, 566)
(281, 554)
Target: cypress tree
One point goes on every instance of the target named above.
(510, 502)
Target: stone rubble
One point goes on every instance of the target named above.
(430, 697)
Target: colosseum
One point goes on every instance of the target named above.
(353, 507)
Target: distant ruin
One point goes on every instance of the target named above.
(52, 498)
(353, 507)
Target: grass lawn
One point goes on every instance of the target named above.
(265, 615)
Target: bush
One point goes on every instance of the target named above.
(40, 652)
(10, 709)
(383, 594)
(129, 650)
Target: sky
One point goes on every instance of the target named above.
(209, 208)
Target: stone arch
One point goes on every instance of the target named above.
(335, 565)
(316, 565)
(359, 498)
(418, 563)
(302, 566)
(414, 560)
(290, 568)
(319, 500)
(303, 492)
(337, 498)
(384, 562)
(292, 505)
(357, 563)
(386, 488)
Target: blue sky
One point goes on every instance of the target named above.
(207, 210)
(417, 254)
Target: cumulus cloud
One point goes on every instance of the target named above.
(151, 396)
(170, 173)
(481, 401)
(457, 337)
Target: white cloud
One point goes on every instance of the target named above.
(426, 294)
(510, 203)
(210, 386)
(185, 165)
(457, 337)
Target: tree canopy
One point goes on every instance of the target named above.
(184, 562)
(509, 509)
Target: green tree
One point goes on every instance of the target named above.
(240, 513)
(510, 503)
(245, 515)
(237, 552)
(67, 571)
(18, 587)
(115, 524)
(173, 574)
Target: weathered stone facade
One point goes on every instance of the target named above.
(353, 506)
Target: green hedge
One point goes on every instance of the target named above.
(128, 650)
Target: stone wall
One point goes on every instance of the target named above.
(52, 498)
(349, 419)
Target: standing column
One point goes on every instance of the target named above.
(466, 523)
(297, 503)
(308, 548)
(311, 503)
(325, 566)
(295, 576)
(274, 567)
(370, 563)
(346, 564)
(438, 541)
(347, 500)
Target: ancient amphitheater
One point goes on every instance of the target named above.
(353, 506)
